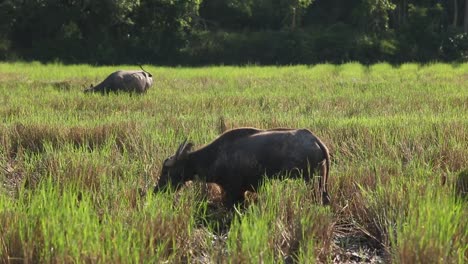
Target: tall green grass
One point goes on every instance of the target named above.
(64, 224)
(286, 223)
(74, 167)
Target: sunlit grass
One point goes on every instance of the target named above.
(74, 166)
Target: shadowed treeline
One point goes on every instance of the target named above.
(234, 32)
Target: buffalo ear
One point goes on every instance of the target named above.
(181, 147)
(184, 150)
(187, 149)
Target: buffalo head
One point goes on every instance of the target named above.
(176, 169)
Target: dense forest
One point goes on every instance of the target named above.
(204, 32)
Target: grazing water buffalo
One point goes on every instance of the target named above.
(239, 158)
(127, 81)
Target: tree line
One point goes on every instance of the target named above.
(203, 32)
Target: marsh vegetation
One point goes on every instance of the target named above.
(74, 166)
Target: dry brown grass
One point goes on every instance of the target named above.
(34, 137)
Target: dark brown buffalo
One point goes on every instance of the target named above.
(239, 159)
(125, 81)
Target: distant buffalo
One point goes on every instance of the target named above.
(126, 81)
(239, 159)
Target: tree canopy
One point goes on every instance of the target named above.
(195, 32)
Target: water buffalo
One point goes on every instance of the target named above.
(238, 160)
(127, 81)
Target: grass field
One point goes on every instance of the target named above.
(74, 165)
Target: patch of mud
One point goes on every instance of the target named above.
(12, 177)
(352, 246)
(349, 249)
(217, 252)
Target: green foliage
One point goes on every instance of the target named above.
(421, 37)
(455, 46)
(336, 44)
(291, 31)
(161, 28)
(98, 31)
(6, 19)
(263, 15)
(374, 15)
